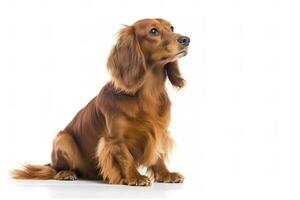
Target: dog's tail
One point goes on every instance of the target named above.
(41, 172)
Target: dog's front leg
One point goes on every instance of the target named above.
(117, 165)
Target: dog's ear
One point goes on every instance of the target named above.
(126, 61)
(174, 75)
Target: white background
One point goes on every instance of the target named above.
(236, 123)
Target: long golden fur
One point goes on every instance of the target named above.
(126, 125)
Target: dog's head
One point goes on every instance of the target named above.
(145, 44)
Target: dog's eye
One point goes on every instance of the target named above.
(154, 31)
(172, 28)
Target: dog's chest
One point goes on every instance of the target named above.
(149, 131)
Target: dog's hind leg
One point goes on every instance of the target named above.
(66, 157)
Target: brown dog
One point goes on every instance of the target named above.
(126, 125)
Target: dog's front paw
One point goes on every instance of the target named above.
(138, 181)
(169, 177)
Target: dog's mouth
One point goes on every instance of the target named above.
(175, 56)
(181, 53)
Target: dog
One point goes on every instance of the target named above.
(126, 125)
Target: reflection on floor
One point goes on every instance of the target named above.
(92, 189)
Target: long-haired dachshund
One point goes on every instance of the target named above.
(126, 125)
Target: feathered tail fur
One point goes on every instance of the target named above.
(41, 172)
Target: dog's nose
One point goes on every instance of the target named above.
(184, 40)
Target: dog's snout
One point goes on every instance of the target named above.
(184, 40)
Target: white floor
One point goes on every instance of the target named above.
(87, 189)
(11, 189)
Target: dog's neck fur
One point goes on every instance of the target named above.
(154, 81)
